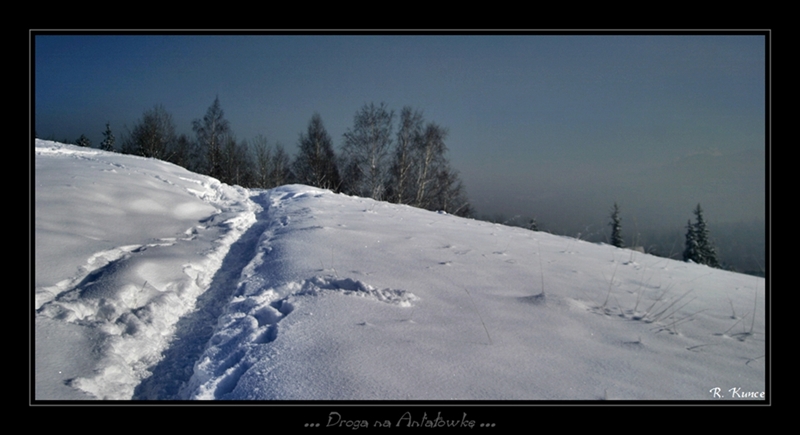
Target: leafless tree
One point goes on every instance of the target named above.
(400, 188)
(366, 150)
(153, 135)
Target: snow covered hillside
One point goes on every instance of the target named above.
(152, 282)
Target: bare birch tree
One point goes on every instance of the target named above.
(366, 150)
(400, 188)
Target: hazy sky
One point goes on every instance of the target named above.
(557, 126)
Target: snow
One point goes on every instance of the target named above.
(152, 282)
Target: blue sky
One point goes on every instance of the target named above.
(535, 121)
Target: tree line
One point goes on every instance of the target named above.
(406, 166)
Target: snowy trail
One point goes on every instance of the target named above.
(216, 353)
(139, 321)
(124, 302)
(195, 324)
(194, 330)
(263, 292)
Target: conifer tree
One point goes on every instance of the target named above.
(690, 251)
(616, 227)
(83, 141)
(698, 243)
(707, 252)
(211, 133)
(108, 139)
(315, 164)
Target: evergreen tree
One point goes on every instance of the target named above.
(211, 132)
(83, 141)
(315, 164)
(616, 227)
(698, 243)
(707, 252)
(108, 139)
(690, 252)
(533, 225)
